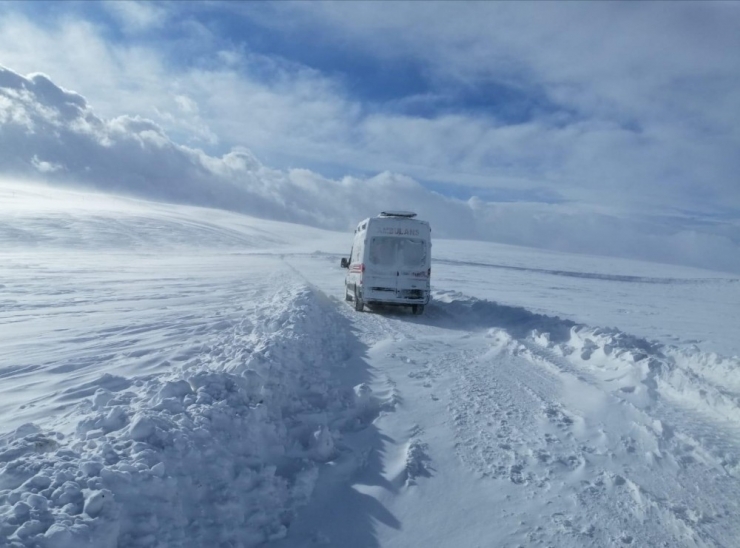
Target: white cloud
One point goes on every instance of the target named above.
(651, 88)
(45, 167)
(74, 53)
(186, 104)
(56, 132)
(10, 113)
(188, 122)
(137, 16)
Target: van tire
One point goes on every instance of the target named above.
(359, 305)
(346, 294)
(417, 309)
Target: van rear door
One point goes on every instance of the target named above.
(413, 265)
(381, 271)
(397, 264)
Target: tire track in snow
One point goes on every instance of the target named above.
(630, 478)
(513, 425)
(608, 470)
(494, 417)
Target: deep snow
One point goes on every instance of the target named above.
(176, 376)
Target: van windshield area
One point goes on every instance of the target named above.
(398, 252)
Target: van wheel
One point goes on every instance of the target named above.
(346, 294)
(359, 305)
(417, 309)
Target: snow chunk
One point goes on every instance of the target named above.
(97, 501)
(142, 428)
(323, 448)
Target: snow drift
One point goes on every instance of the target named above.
(224, 449)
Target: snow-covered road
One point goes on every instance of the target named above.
(564, 435)
(171, 376)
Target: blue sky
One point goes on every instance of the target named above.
(625, 109)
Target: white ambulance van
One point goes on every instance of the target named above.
(390, 262)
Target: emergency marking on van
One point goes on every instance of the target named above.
(398, 231)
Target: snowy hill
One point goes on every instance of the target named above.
(177, 376)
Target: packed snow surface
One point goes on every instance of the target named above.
(180, 377)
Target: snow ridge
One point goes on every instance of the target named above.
(226, 447)
(642, 436)
(637, 369)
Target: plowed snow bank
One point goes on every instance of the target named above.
(223, 450)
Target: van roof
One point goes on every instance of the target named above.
(381, 220)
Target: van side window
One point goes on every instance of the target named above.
(357, 253)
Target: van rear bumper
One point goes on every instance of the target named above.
(395, 296)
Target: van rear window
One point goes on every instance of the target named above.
(393, 252)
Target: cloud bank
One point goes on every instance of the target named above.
(49, 133)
